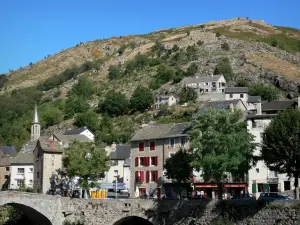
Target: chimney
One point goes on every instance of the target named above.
(231, 107)
(113, 146)
(143, 124)
(258, 108)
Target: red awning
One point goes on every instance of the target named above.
(206, 185)
(235, 185)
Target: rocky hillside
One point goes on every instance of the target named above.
(257, 53)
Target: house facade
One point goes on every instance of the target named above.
(261, 178)
(6, 153)
(237, 93)
(150, 147)
(165, 100)
(207, 87)
(80, 131)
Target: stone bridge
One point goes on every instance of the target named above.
(52, 210)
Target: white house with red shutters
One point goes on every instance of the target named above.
(150, 147)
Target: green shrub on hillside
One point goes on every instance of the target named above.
(242, 83)
(87, 119)
(75, 105)
(225, 46)
(114, 72)
(187, 94)
(266, 92)
(192, 52)
(52, 116)
(142, 99)
(122, 49)
(83, 89)
(115, 104)
(224, 67)
(192, 69)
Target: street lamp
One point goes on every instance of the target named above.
(116, 175)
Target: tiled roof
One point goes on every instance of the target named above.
(232, 90)
(278, 105)
(49, 145)
(5, 161)
(199, 79)
(72, 137)
(121, 152)
(74, 131)
(159, 131)
(217, 104)
(23, 157)
(254, 99)
(29, 146)
(8, 150)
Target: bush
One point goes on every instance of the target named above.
(192, 52)
(164, 73)
(115, 104)
(242, 83)
(200, 43)
(75, 105)
(52, 116)
(224, 67)
(192, 69)
(218, 34)
(83, 89)
(274, 43)
(121, 49)
(187, 94)
(265, 91)
(142, 99)
(178, 58)
(114, 72)
(158, 48)
(225, 46)
(88, 119)
(175, 48)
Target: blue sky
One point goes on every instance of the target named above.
(34, 28)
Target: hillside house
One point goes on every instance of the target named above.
(165, 100)
(261, 177)
(66, 140)
(80, 131)
(207, 87)
(6, 152)
(150, 147)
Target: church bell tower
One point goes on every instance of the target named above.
(35, 125)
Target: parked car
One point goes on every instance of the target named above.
(272, 196)
(243, 197)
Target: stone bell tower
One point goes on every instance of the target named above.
(35, 125)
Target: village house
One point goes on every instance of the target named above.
(150, 147)
(165, 100)
(261, 178)
(80, 131)
(210, 87)
(6, 152)
(119, 165)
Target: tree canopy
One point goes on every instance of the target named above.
(115, 104)
(221, 144)
(266, 92)
(187, 94)
(224, 67)
(179, 167)
(281, 149)
(141, 99)
(87, 161)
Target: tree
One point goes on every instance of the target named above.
(221, 145)
(179, 168)
(121, 49)
(52, 116)
(281, 149)
(266, 92)
(224, 67)
(75, 105)
(192, 52)
(83, 89)
(88, 119)
(105, 133)
(274, 43)
(114, 72)
(187, 94)
(175, 48)
(225, 46)
(218, 34)
(192, 69)
(200, 43)
(87, 161)
(242, 83)
(142, 99)
(115, 104)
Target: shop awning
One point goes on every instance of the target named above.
(235, 185)
(206, 185)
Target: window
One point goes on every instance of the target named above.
(37, 174)
(213, 84)
(142, 161)
(7, 168)
(6, 177)
(273, 173)
(260, 187)
(183, 141)
(30, 170)
(172, 142)
(254, 125)
(152, 145)
(171, 154)
(206, 90)
(153, 176)
(257, 170)
(231, 96)
(139, 176)
(287, 185)
(20, 182)
(141, 146)
(206, 84)
(20, 170)
(154, 161)
(114, 163)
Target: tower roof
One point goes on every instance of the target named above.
(36, 116)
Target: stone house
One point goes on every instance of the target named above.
(165, 100)
(6, 152)
(150, 147)
(207, 87)
(261, 177)
(80, 131)
(48, 155)
(119, 156)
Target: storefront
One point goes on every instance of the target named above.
(211, 189)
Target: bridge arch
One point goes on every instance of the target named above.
(40, 211)
(132, 220)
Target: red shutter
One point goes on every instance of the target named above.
(147, 176)
(136, 161)
(156, 160)
(142, 176)
(141, 146)
(136, 176)
(156, 176)
(152, 145)
(148, 161)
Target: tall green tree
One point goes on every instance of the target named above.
(179, 168)
(87, 161)
(88, 119)
(187, 94)
(221, 145)
(84, 88)
(115, 104)
(266, 92)
(281, 145)
(75, 105)
(142, 99)
(224, 67)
